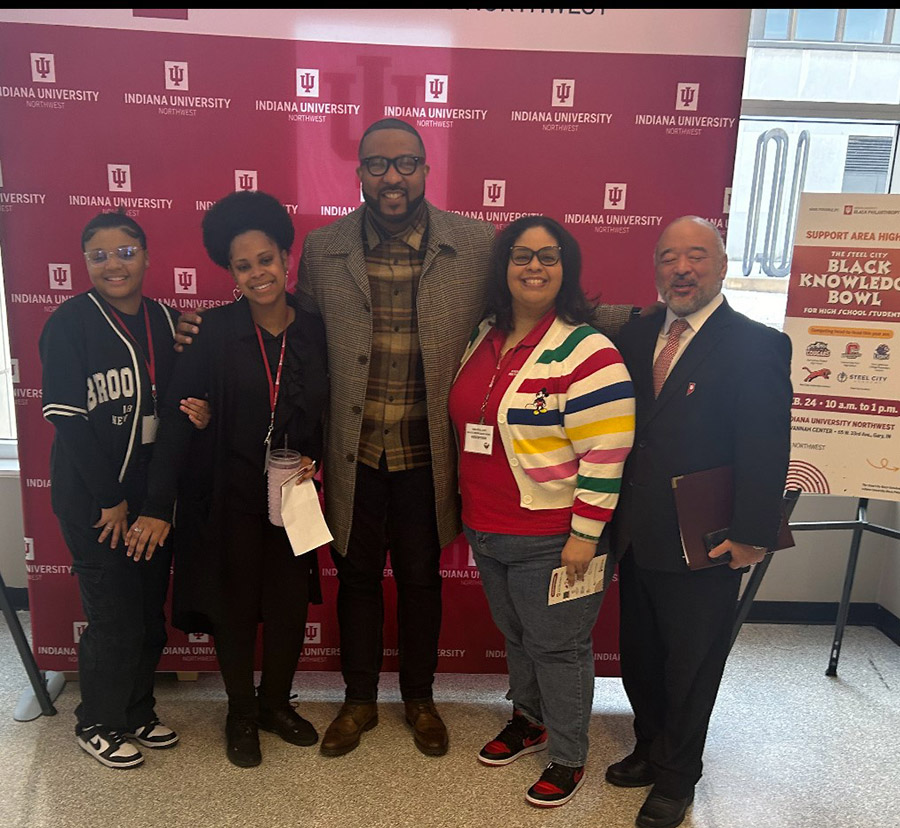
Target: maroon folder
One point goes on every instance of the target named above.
(704, 501)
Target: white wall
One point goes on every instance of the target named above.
(12, 546)
(814, 570)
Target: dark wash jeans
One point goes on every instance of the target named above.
(391, 511)
(123, 603)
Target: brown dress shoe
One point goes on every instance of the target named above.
(429, 731)
(344, 732)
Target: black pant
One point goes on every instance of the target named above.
(264, 582)
(674, 639)
(123, 603)
(396, 511)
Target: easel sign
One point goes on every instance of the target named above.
(843, 318)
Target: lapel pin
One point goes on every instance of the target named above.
(690, 388)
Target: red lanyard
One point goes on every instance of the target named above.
(149, 359)
(273, 386)
(500, 360)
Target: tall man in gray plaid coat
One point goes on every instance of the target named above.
(400, 285)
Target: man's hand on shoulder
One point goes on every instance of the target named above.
(649, 310)
(188, 326)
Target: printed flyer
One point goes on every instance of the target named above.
(843, 318)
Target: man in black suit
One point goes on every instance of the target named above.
(724, 400)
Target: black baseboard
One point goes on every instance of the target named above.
(825, 612)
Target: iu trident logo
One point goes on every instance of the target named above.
(687, 96)
(60, 276)
(436, 88)
(307, 83)
(185, 280)
(245, 179)
(43, 68)
(615, 196)
(494, 192)
(118, 178)
(563, 92)
(177, 75)
(78, 628)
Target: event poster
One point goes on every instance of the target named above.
(843, 318)
(600, 118)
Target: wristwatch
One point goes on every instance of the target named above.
(758, 548)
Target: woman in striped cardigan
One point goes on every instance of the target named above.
(543, 410)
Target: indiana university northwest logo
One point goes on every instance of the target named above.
(60, 276)
(563, 92)
(687, 96)
(43, 68)
(118, 178)
(307, 83)
(177, 75)
(494, 193)
(436, 88)
(614, 196)
(245, 179)
(186, 280)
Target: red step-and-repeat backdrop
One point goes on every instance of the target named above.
(612, 121)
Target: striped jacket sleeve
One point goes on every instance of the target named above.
(599, 421)
(584, 442)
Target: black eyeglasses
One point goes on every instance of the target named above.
(125, 253)
(549, 255)
(379, 165)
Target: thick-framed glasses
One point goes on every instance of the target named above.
(403, 164)
(125, 253)
(548, 255)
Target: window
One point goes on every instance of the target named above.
(826, 26)
(865, 25)
(777, 24)
(867, 166)
(821, 97)
(815, 24)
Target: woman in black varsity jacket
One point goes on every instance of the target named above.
(107, 356)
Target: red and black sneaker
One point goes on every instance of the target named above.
(557, 785)
(519, 738)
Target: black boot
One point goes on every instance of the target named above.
(242, 736)
(288, 724)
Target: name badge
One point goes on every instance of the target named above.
(479, 438)
(149, 425)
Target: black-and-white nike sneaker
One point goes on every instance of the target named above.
(109, 747)
(154, 734)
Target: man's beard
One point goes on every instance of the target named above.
(393, 219)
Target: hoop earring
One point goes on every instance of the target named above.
(237, 295)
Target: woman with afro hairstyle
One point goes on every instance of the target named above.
(261, 362)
